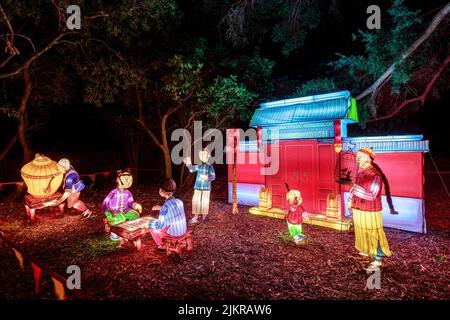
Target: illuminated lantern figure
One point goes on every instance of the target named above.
(119, 205)
(202, 188)
(295, 215)
(41, 176)
(171, 222)
(365, 204)
(73, 187)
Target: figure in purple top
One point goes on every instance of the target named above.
(73, 187)
(119, 205)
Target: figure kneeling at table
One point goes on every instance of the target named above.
(172, 219)
(119, 205)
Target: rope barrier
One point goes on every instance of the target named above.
(440, 176)
(82, 175)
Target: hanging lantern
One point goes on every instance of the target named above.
(41, 176)
(346, 168)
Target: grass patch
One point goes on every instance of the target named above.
(8, 227)
(93, 246)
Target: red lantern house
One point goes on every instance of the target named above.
(306, 141)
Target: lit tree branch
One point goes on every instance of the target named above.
(375, 87)
(420, 98)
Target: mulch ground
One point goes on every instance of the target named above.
(234, 257)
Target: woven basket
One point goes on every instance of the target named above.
(41, 176)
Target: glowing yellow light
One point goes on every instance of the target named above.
(41, 176)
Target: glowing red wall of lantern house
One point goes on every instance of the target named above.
(308, 165)
(404, 171)
(247, 170)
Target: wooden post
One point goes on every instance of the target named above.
(235, 209)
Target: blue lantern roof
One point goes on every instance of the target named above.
(323, 107)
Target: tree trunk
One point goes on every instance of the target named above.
(167, 163)
(23, 118)
(11, 144)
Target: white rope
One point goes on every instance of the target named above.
(440, 176)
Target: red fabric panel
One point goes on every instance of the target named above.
(307, 166)
(249, 170)
(404, 171)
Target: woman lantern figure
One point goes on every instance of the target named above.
(295, 216)
(119, 205)
(73, 187)
(365, 204)
(202, 188)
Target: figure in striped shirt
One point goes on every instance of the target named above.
(172, 219)
(202, 187)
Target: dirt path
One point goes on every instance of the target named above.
(234, 257)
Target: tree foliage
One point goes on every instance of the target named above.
(226, 100)
(316, 86)
(382, 48)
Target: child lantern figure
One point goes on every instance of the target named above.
(119, 205)
(295, 216)
(202, 188)
(365, 204)
(171, 221)
(73, 187)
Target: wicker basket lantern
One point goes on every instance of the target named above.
(41, 176)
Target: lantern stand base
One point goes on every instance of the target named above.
(343, 224)
(32, 204)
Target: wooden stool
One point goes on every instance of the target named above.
(32, 204)
(175, 244)
(106, 226)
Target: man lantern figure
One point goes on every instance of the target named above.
(202, 188)
(365, 204)
(119, 205)
(73, 187)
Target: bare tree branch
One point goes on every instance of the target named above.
(27, 63)
(9, 42)
(8, 147)
(374, 88)
(420, 98)
(99, 14)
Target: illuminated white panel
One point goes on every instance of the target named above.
(410, 217)
(247, 193)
